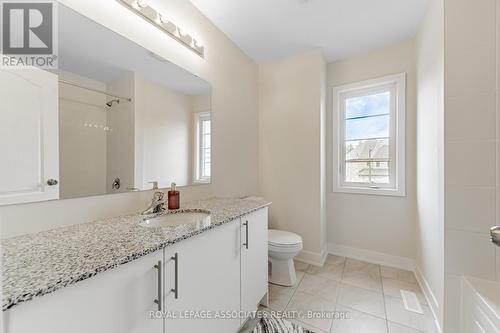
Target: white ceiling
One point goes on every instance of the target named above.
(272, 29)
(105, 56)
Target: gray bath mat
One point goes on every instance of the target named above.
(273, 324)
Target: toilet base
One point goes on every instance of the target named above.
(282, 272)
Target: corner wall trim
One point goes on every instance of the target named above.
(312, 258)
(429, 296)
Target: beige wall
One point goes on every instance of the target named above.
(235, 124)
(470, 147)
(201, 103)
(164, 124)
(380, 224)
(121, 144)
(290, 147)
(430, 145)
(82, 136)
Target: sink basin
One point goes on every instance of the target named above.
(172, 219)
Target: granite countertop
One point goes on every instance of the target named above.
(40, 263)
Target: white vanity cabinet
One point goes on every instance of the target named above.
(254, 262)
(116, 301)
(207, 280)
(203, 283)
(221, 274)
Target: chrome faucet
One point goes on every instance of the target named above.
(157, 203)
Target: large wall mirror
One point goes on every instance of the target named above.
(126, 118)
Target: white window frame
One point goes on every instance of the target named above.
(397, 169)
(198, 118)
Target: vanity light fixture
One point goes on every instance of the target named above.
(142, 8)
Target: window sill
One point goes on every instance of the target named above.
(202, 181)
(370, 191)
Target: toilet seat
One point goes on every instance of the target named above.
(283, 247)
(284, 239)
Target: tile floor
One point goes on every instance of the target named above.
(369, 293)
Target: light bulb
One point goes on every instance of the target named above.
(142, 3)
(185, 37)
(170, 27)
(198, 47)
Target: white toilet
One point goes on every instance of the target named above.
(283, 247)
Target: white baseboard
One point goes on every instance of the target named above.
(372, 256)
(429, 296)
(312, 258)
(391, 261)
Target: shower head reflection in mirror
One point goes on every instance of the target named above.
(124, 114)
(111, 102)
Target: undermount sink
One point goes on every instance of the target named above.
(172, 219)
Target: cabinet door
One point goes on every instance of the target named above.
(208, 279)
(29, 143)
(116, 301)
(254, 259)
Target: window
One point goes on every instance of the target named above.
(203, 144)
(369, 127)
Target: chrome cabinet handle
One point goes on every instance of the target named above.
(495, 235)
(52, 182)
(175, 290)
(246, 234)
(158, 300)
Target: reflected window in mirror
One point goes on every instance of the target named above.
(115, 121)
(203, 143)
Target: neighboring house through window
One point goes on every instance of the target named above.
(369, 127)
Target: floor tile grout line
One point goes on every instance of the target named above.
(423, 302)
(319, 296)
(295, 289)
(305, 292)
(362, 312)
(382, 292)
(338, 292)
(402, 282)
(383, 299)
(364, 288)
(379, 290)
(335, 302)
(395, 297)
(405, 326)
(343, 266)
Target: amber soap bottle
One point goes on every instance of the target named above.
(174, 197)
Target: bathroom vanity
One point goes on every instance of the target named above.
(123, 119)
(116, 275)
